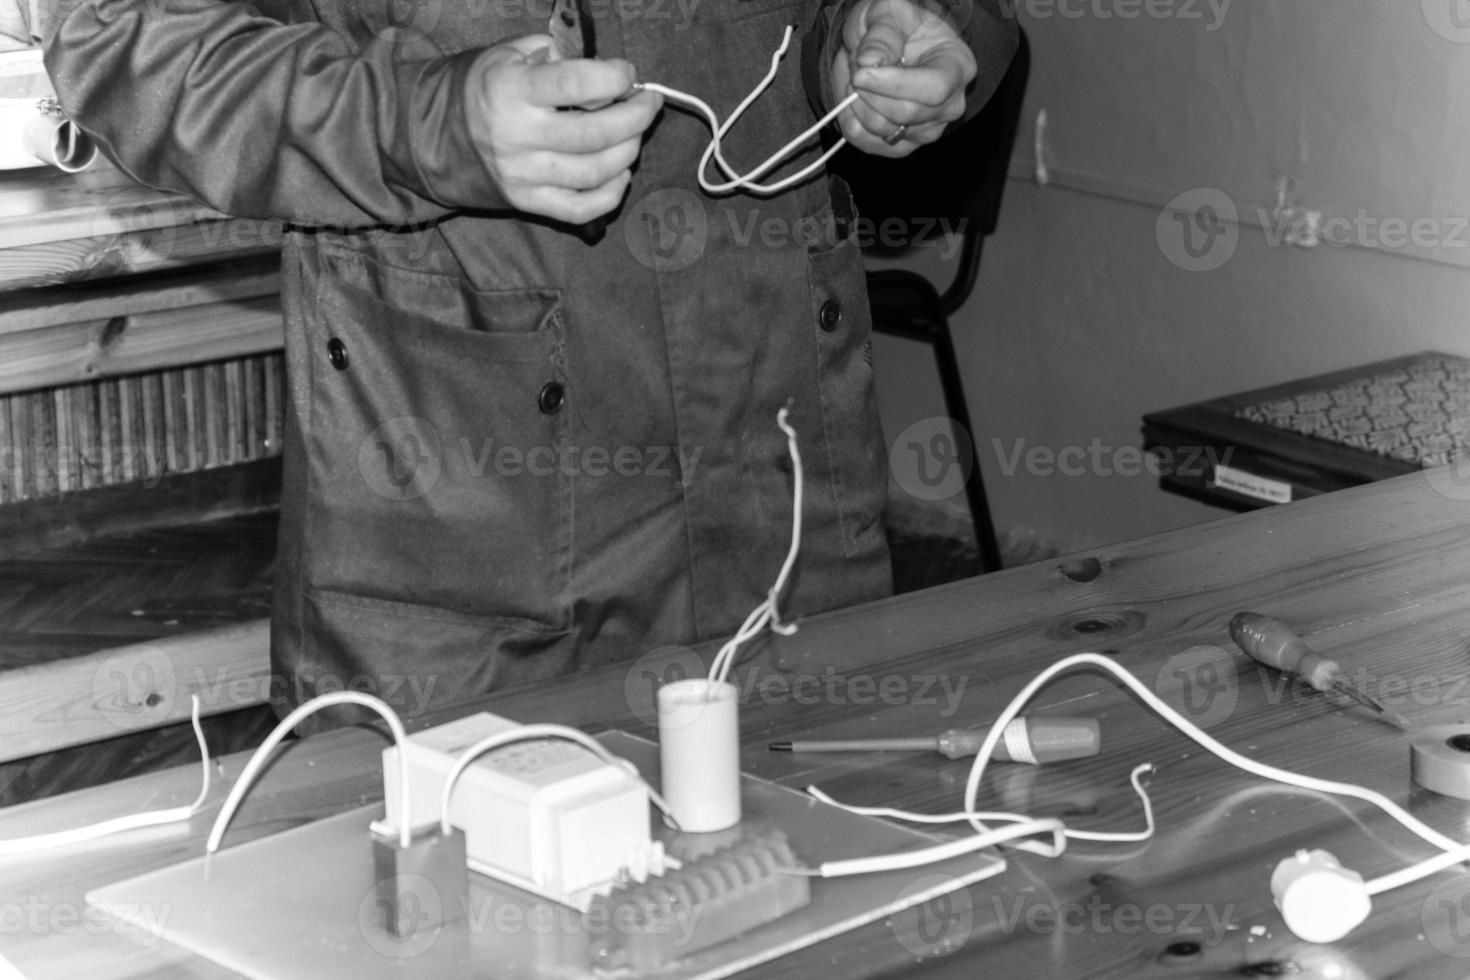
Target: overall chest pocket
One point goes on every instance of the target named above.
(435, 446)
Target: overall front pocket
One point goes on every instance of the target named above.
(435, 444)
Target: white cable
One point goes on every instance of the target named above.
(950, 849)
(1423, 869)
(977, 771)
(718, 130)
(767, 613)
(937, 818)
(117, 825)
(258, 760)
(525, 733)
(1456, 852)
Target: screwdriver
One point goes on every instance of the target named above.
(1037, 740)
(1272, 642)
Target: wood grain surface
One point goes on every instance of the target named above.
(1378, 577)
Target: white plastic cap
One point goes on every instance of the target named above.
(1320, 900)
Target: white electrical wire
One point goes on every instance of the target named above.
(258, 760)
(1456, 853)
(1122, 837)
(1423, 869)
(525, 733)
(117, 825)
(1189, 729)
(747, 181)
(768, 613)
(945, 851)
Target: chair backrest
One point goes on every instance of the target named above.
(961, 177)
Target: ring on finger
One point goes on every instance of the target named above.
(892, 138)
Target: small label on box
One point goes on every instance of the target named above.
(1251, 485)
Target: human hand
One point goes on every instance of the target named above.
(910, 69)
(571, 166)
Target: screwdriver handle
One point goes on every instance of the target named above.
(1037, 739)
(1271, 642)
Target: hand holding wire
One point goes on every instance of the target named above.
(910, 69)
(571, 166)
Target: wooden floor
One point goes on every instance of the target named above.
(130, 588)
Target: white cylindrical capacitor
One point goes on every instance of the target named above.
(699, 749)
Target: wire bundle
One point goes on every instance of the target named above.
(715, 150)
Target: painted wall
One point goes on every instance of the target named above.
(1122, 285)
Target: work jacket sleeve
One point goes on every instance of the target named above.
(260, 117)
(981, 24)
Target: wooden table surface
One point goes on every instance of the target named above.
(1378, 577)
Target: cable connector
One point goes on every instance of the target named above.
(1320, 900)
(424, 884)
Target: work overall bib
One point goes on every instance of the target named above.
(516, 448)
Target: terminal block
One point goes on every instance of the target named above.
(707, 901)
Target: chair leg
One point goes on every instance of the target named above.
(954, 398)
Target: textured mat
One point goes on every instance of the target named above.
(1418, 412)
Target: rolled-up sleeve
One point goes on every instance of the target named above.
(981, 24)
(262, 118)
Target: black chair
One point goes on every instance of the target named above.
(962, 178)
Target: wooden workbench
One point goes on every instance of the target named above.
(1378, 576)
